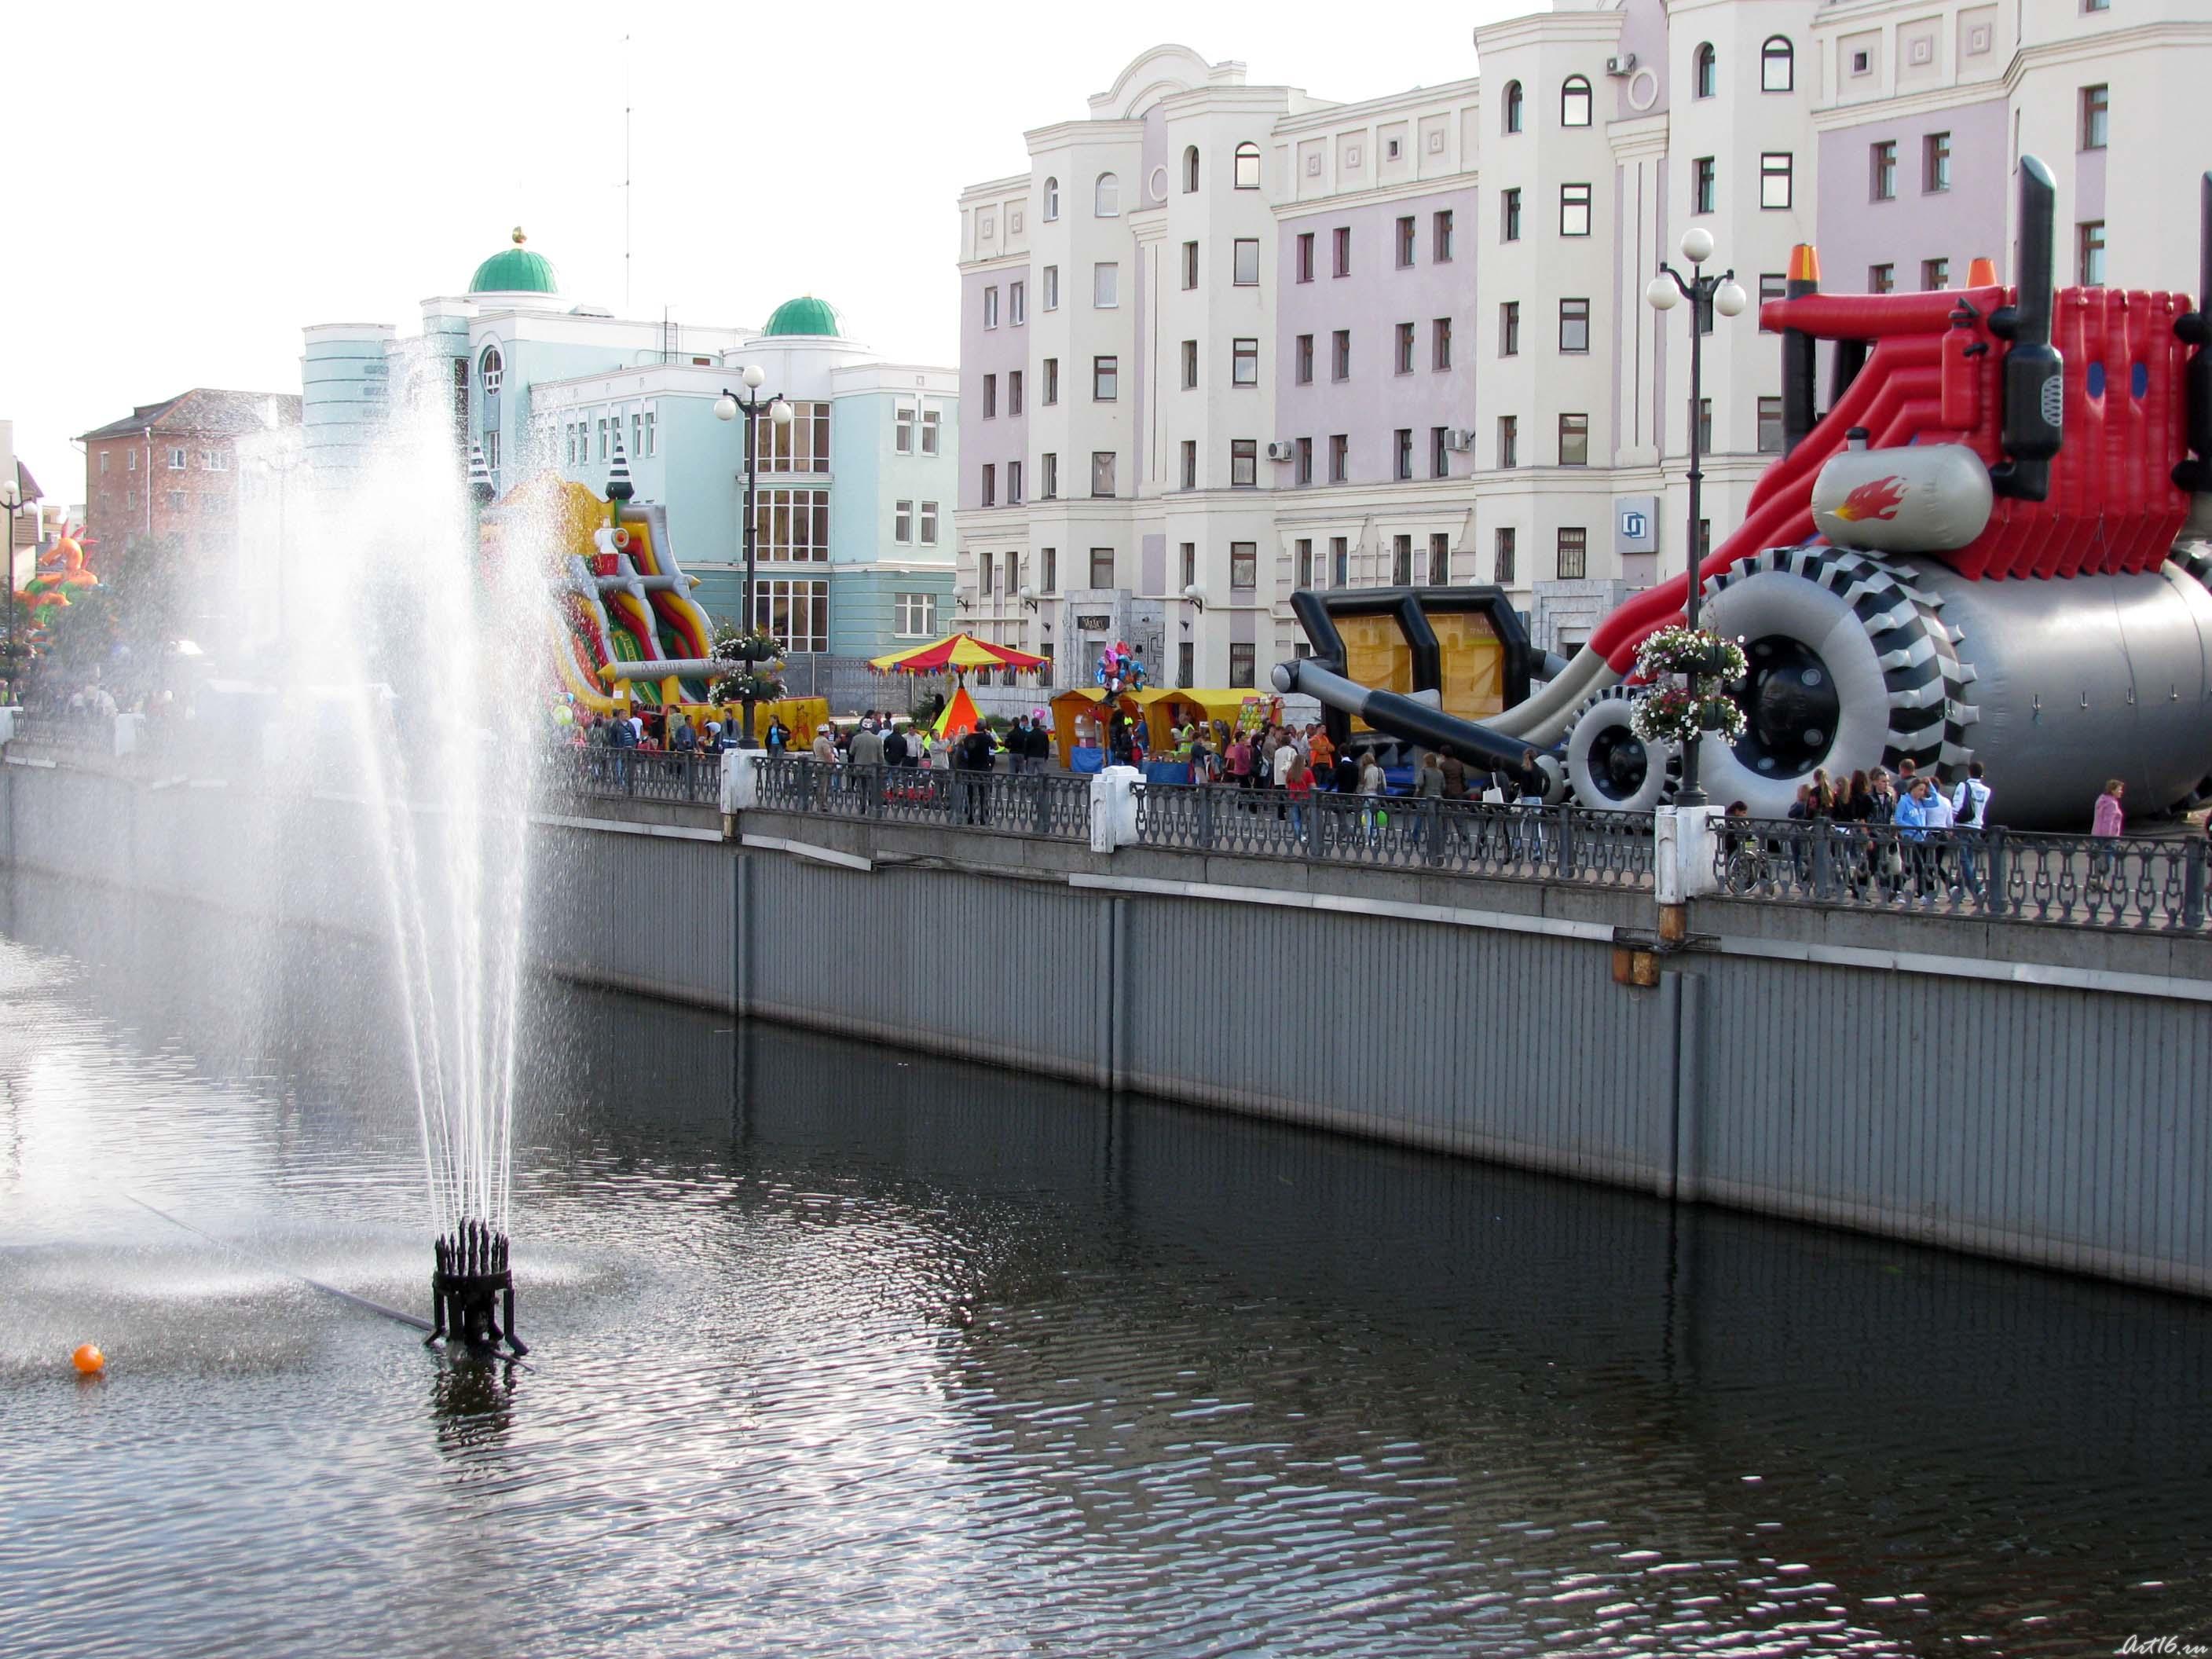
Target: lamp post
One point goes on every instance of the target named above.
(11, 497)
(728, 407)
(1725, 295)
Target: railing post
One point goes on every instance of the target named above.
(1824, 856)
(1206, 819)
(2193, 882)
(1999, 873)
(1433, 825)
(1564, 852)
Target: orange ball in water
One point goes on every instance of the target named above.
(88, 1360)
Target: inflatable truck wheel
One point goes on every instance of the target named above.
(1610, 767)
(2194, 559)
(1851, 667)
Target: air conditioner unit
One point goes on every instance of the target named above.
(1622, 66)
(1460, 439)
(1280, 452)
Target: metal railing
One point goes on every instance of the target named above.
(93, 731)
(1555, 843)
(1051, 804)
(638, 774)
(2126, 883)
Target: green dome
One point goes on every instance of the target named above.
(806, 315)
(514, 271)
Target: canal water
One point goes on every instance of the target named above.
(842, 1350)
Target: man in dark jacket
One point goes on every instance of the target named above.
(894, 751)
(1040, 746)
(971, 755)
(1347, 780)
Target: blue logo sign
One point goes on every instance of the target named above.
(1634, 525)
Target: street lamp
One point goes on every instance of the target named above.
(11, 497)
(728, 407)
(1725, 295)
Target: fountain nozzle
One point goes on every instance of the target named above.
(472, 1291)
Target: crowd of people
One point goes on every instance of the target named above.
(659, 731)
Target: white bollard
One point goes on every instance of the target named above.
(1682, 854)
(1114, 808)
(741, 781)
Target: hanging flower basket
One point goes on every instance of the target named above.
(755, 660)
(1698, 652)
(1672, 715)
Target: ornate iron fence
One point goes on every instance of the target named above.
(2125, 881)
(638, 774)
(1052, 804)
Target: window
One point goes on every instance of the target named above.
(1705, 72)
(1705, 425)
(1051, 288)
(176, 460)
(1405, 338)
(1049, 474)
(637, 434)
(1501, 563)
(1244, 564)
(568, 448)
(1704, 185)
(793, 525)
(1881, 279)
(803, 446)
(1340, 355)
(1770, 426)
(212, 460)
(1243, 462)
(1102, 567)
(1305, 460)
(1934, 276)
(1515, 106)
(796, 612)
(602, 438)
(1936, 163)
(1051, 380)
(1440, 559)
(1704, 539)
(2096, 116)
(1304, 565)
(1189, 169)
(1439, 452)
(991, 305)
(1574, 440)
(1574, 324)
(1302, 360)
(1244, 362)
(1575, 102)
(1105, 379)
(1105, 285)
(990, 396)
(1188, 565)
(131, 460)
(1013, 392)
(1247, 166)
(1405, 241)
(1401, 465)
(175, 501)
(1440, 238)
(1051, 199)
(1305, 256)
(1775, 183)
(1340, 239)
(902, 523)
(1101, 472)
(1186, 662)
(1509, 441)
(916, 615)
(1047, 569)
(1882, 163)
(1246, 270)
(652, 437)
(1777, 65)
(1509, 329)
(1339, 457)
(1190, 463)
(1190, 265)
(1240, 662)
(1574, 552)
(2090, 260)
(1106, 196)
(1509, 216)
(1440, 344)
(1574, 210)
(1189, 364)
(1013, 484)
(990, 484)
(1772, 285)
(104, 457)
(1017, 310)
(492, 369)
(1401, 561)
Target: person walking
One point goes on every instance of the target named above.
(1040, 747)
(1373, 787)
(867, 747)
(1429, 782)
(1240, 763)
(1970, 812)
(895, 752)
(2106, 821)
(1528, 783)
(972, 758)
(1298, 786)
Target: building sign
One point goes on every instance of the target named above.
(1095, 625)
(1636, 524)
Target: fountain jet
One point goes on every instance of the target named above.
(472, 1292)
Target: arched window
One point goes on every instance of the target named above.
(1777, 65)
(1575, 102)
(1247, 166)
(1513, 106)
(1189, 169)
(491, 370)
(1705, 72)
(1052, 198)
(1106, 196)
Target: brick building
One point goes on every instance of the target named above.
(169, 470)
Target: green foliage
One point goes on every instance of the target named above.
(125, 630)
(925, 711)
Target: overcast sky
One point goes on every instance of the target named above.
(194, 184)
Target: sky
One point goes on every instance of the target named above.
(193, 184)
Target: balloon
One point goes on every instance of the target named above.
(88, 1360)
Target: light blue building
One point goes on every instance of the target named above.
(854, 496)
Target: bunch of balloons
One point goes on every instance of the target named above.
(1121, 669)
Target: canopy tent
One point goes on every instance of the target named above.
(959, 716)
(955, 654)
(1162, 709)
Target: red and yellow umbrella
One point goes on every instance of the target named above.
(955, 654)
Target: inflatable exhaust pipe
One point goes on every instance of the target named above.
(2195, 474)
(2033, 389)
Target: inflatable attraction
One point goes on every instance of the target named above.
(1979, 550)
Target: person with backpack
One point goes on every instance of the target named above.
(1970, 812)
